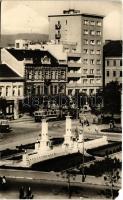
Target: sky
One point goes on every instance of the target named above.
(31, 16)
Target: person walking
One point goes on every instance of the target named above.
(21, 193)
(29, 193)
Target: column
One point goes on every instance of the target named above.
(16, 109)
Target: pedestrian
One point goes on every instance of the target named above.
(21, 193)
(0, 181)
(4, 182)
(29, 193)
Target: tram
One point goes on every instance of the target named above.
(51, 115)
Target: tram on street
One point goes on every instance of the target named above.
(50, 115)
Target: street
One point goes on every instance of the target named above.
(54, 189)
(25, 130)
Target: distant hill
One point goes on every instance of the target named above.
(10, 39)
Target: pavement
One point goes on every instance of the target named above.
(52, 185)
(52, 176)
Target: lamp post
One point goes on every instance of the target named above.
(83, 150)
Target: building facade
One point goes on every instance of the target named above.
(113, 62)
(11, 87)
(82, 37)
(43, 73)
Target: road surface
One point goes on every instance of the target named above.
(49, 185)
(25, 130)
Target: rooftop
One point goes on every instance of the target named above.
(7, 72)
(113, 48)
(20, 54)
(73, 12)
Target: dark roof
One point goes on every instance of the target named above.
(79, 14)
(20, 54)
(113, 48)
(6, 72)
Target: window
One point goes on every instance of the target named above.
(7, 91)
(98, 62)
(92, 23)
(91, 91)
(85, 61)
(86, 22)
(62, 74)
(51, 89)
(36, 75)
(107, 62)
(98, 80)
(92, 61)
(85, 41)
(85, 32)
(92, 32)
(85, 51)
(84, 81)
(19, 90)
(91, 51)
(98, 71)
(92, 42)
(91, 71)
(98, 32)
(85, 71)
(66, 21)
(17, 45)
(114, 63)
(120, 62)
(98, 23)
(98, 42)
(98, 52)
(114, 73)
(30, 74)
(14, 90)
(56, 74)
(52, 75)
(91, 81)
(55, 89)
(120, 73)
(107, 73)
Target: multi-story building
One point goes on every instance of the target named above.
(44, 73)
(81, 36)
(11, 87)
(112, 61)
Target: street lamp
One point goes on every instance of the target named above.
(83, 150)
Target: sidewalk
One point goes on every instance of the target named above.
(52, 176)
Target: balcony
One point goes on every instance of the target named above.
(74, 54)
(73, 75)
(57, 26)
(57, 36)
(73, 84)
(74, 64)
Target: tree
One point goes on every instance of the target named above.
(110, 179)
(68, 175)
(112, 98)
